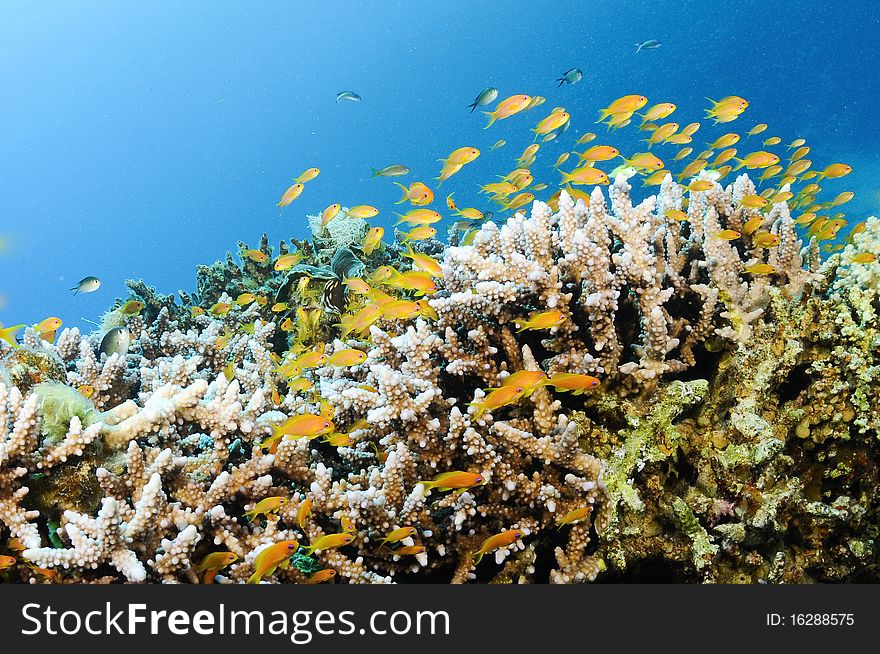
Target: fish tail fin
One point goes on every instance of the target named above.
(405, 193)
(561, 81)
(492, 118)
(472, 106)
(714, 104)
(566, 178)
(478, 556)
(741, 163)
(374, 171)
(255, 578)
(638, 49)
(603, 114)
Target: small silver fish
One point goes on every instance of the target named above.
(116, 341)
(571, 76)
(394, 170)
(87, 285)
(650, 44)
(351, 96)
(485, 97)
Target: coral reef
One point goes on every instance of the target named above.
(733, 437)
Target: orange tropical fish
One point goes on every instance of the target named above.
(864, 257)
(448, 171)
(363, 211)
(700, 185)
(256, 256)
(424, 262)
(497, 398)
(321, 576)
(835, 170)
(409, 550)
(329, 542)
(308, 175)
(623, 105)
(518, 201)
(498, 541)
(723, 141)
(454, 480)
(692, 168)
(48, 325)
(662, 133)
(658, 112)
(286, 261)
(304, 425)
(470, 213)
(6, 562)
(682, 154)
(568, 381)
(312, 359)
(528, 380)
(420, 233)
(585, 138)
(417, 194)
(220, 308)
(265, 507)
(400, 310)
(759, 159)
(461, 156)
(585, 175)
(675, 214)
(271, 558)
(726, 109)
(214, 563)
(529, 152)
(761, 269)
(347, 357)
(574, 516)
(507, 108)
(426, 310)
(330, 213)
(338, 440)
(753, 201)
(552, 122)
(372, 239)
(397, 535)
(543, 320)
(303, 511)
(727, 235)
(765, 240)
(597, 153)
(757, 129)
(644, 161)
(291, 194)
(753, 224)
(419, 217)
(413, 280)
(361, 321)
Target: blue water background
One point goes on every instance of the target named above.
(139, 139)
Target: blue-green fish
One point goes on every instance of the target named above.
(571, 76)
(650, 44)
(351, 96)
(485, 97)
(116, 341)
(394, 170)
(87, 285)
